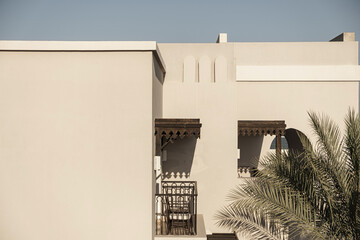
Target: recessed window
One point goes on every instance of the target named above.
(284, 144)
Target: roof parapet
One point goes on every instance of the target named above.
(344, 37)
(84, 46)
(222, 38)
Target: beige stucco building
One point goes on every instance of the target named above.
(81, 124)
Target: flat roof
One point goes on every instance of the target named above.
(85, 46)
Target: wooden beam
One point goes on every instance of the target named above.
(258, 128)
(157, 145)
(278, 145)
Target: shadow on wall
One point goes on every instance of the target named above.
(180, 156)
(250, 150)
(293, 139)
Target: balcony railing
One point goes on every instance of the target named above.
(246, 171)
(176, 208)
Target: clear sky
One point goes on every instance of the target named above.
(178, 21)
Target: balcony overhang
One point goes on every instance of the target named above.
(169, 129)
(258, 128)
(177, 127)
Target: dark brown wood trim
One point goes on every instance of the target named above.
(278, 145)
(174, 128)
(258, 128)
(169, 129)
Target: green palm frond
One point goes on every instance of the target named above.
(329, 140)
(313, 192)
(251, 221)
(352, 185)
(279, 203)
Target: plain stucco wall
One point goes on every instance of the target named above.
(157, 108)
(76, 145)
(221, 104)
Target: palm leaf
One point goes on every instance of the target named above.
(312, 193)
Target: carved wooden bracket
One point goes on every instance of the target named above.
(174, 128)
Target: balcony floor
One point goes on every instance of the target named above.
(201, 233)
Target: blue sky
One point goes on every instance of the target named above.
(178, 21)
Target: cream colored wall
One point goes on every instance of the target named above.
(157, 112)
(221, 104)
(75, 145)
(175, 53)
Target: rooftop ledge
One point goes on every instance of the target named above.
(85, 46)
(77, 46)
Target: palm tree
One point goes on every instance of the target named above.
(311, 194)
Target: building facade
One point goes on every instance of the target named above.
(82, 124)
